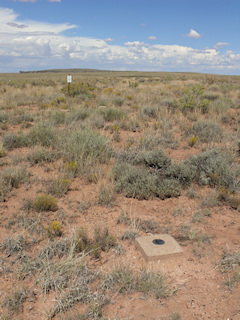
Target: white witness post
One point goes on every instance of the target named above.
(69, 80)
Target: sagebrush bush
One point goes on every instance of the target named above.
(216, 168)
(207, 131)
(167, 188)
(156, 159)
(133, 181)
(138, 182)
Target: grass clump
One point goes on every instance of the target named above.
(14, 302)
(12, 141)
(41, 156)
(124, 280)
(158, 140)
(106, 195)
(43, 134)
(86, 148)
(192, 141)
(14, 245)
(233, 281)
(55, 229)
(229, 261)
(12, 178)
(44, 202)
(59, 187)
(119, 280)
(112, 114)
(102, 241)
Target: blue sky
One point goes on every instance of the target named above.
(144, 35)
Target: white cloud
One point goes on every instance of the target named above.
(152, 38)
(32, 45)
(25, 0)
(220, 44)
(193, 34)
(54, 0)
(109, 40)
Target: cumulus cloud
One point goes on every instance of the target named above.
(152, 38)
(33, 45)
(193, 34)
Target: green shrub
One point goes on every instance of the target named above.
(207, 131)
(79, 88)
(44, 202)
(191, 97)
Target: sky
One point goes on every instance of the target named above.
(140, 35)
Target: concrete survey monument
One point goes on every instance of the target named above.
(158, 247)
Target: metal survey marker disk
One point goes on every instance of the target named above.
(158, 247)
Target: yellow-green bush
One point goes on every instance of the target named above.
(45, 202)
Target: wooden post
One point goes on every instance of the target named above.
(69, 88)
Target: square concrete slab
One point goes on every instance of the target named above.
(158, 247)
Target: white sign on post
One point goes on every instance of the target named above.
(69, 78)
